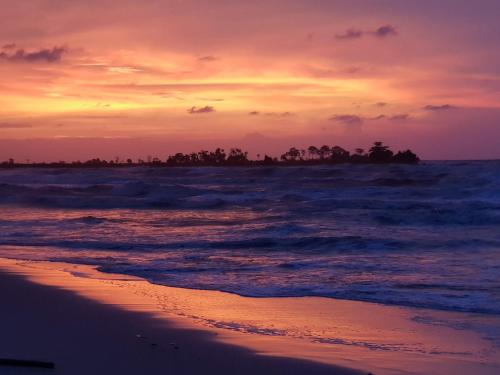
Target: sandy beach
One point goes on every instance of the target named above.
(84, 336)
(86, 322)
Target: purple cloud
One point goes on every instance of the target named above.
(347, 119)
(197, 111)
(350, 34)
(43, 55)
(385, 31)
(443, 107)
(381, 32)
(400, 117)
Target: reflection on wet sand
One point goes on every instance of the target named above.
(384, 339)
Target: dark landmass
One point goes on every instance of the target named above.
(378, 154)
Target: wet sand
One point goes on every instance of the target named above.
(91, 322)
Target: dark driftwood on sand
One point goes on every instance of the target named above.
(25, 363)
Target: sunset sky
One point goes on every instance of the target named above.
(124, 78)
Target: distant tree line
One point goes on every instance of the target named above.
(377, 154)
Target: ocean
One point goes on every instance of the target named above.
(424, 235)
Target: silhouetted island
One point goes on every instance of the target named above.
(377, 154)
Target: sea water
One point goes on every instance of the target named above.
(423, 235)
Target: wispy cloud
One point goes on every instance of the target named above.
(350, 34)
(443, 107)
(9, 46)
(211, 99)
(347, 119)
(197, 111)
(43, 55)
(273, 114)
(208, 58)
(9, 125)
(400, 117)
(359, 120)
(123, 69)
(279, 114)
(380, 32)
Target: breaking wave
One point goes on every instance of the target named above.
(415, 235)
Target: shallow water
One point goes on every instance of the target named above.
(425, 235)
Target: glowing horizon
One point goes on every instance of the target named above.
(191, 74)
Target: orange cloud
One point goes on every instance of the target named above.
(281, 67)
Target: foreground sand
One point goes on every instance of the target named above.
(88, 322)
(87, 337)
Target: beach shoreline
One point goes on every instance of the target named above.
(93, 322)
(83, 336)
